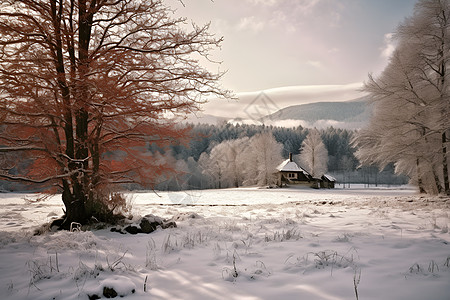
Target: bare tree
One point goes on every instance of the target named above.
(314, 154)
(86, 85)
(411, 102)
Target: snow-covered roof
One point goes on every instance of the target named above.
(329, 177)
(290, 166)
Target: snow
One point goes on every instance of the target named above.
(329, 177)
(122, 285)
(246, 243)
(290, 166)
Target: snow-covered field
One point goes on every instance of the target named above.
(379, 243)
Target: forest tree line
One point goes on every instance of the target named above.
(196, 161)
(211, 149)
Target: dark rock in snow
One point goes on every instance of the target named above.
(147, 224)
(109, 292)
(119, 230)
(132, 229)
(94, 297)
(57, 222)
(170, 224)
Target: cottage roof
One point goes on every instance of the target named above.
(290, 166)
(329, 177)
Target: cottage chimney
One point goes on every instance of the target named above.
(290, 156)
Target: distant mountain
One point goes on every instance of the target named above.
(352, 114)
(356, 111)
(201, 118)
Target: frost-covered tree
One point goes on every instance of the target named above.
(204, 166)
(235, 161)
(313, 154)
(261, 158)
(226, 162)
(215, 167)
(411, 100)
(195, 176)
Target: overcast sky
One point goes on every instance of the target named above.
(281, 43)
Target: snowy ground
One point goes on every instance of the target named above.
(381, 243)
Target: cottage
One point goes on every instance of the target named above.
(327, 181)
(291, 173)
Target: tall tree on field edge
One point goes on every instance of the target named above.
(411, 98)
(87, 85)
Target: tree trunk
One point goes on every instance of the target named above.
(437, 180)
(442, 73)
(445, 163)
(419, 178)
(75, 204)
(75, 194)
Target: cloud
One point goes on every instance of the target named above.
(388, 45)
(250, 23)
(287, 123)
(293, 95)
(333, 50)
(301, 8)
(220, 26)
(319, 124)
(306, 7)
(335, 19)
(258, 104)
(320, 12)
(264, 2)
(314, 63)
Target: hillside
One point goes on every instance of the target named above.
(356, 110)
(351, 114)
